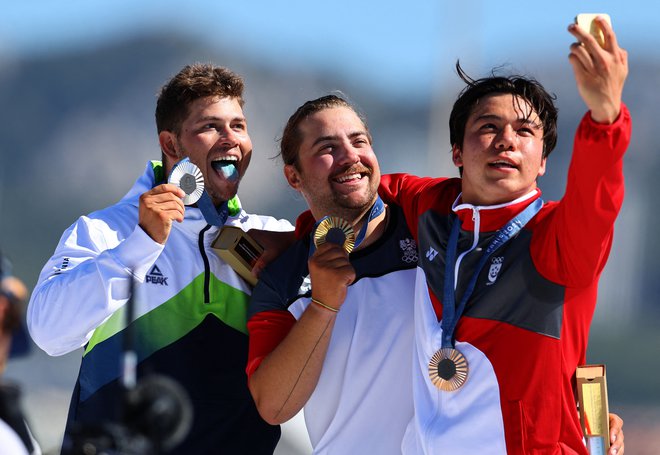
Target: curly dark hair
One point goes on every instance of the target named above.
(525, 89)
(193, 82)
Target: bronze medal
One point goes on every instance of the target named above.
(335, 230)
(448, 369)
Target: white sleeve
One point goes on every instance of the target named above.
(10, 442)
(85, 281)
(273, 224)
(263, 223)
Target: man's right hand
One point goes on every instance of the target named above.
(600, 72)
(274, 243)
(158, 208)
(331, 273)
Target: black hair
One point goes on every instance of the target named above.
(525, 89)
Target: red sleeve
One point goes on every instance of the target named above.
(266, 330)
(304, 224)
(406, 191)
(573, 242)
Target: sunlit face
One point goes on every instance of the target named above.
(502, 150)
(338, 172)
(215, 138)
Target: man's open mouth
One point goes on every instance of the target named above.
(352, 175)
(226, 166)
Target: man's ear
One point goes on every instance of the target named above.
(456, 155)
(168, 145)
(542, 166)
(292, 176)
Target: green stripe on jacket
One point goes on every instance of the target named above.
(177, 316)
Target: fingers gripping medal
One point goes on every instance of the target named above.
(189, 178)
(335, 230)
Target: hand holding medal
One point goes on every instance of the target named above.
(189, 178)
(330, 269)
(335, 230)
(330, 274)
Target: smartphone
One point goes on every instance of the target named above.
(586, 22)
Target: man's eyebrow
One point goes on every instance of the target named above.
(323, 139)
(352, 135)
(208, 118)
(523, 120)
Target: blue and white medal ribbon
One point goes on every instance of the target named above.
(448, 367)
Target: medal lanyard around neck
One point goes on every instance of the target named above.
(214, 216)
(451, 312)
(376, 209)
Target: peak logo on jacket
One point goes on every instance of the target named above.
(155, 276)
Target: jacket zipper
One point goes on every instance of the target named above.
(475, 241)
(207, 267)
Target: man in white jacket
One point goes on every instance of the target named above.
(189, 305)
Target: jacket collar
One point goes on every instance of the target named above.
(491, 217)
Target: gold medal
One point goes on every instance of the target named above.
(448, 369)
(335, 230)
(189, 178)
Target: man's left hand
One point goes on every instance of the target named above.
(616, 435)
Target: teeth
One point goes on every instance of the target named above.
(346, 178)
(226, 158)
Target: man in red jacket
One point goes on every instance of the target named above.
(506, 283)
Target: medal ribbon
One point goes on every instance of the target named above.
(376, 209)
(212, 215)
(451, 312)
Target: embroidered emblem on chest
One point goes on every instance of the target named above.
(495, 267)
(409, 250)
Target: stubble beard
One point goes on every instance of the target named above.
(348, 208)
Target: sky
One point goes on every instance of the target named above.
(401, 47)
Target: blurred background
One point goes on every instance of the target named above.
(78, 84)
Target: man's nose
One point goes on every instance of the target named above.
(228, 137)
(506, 139)
(348, 155)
